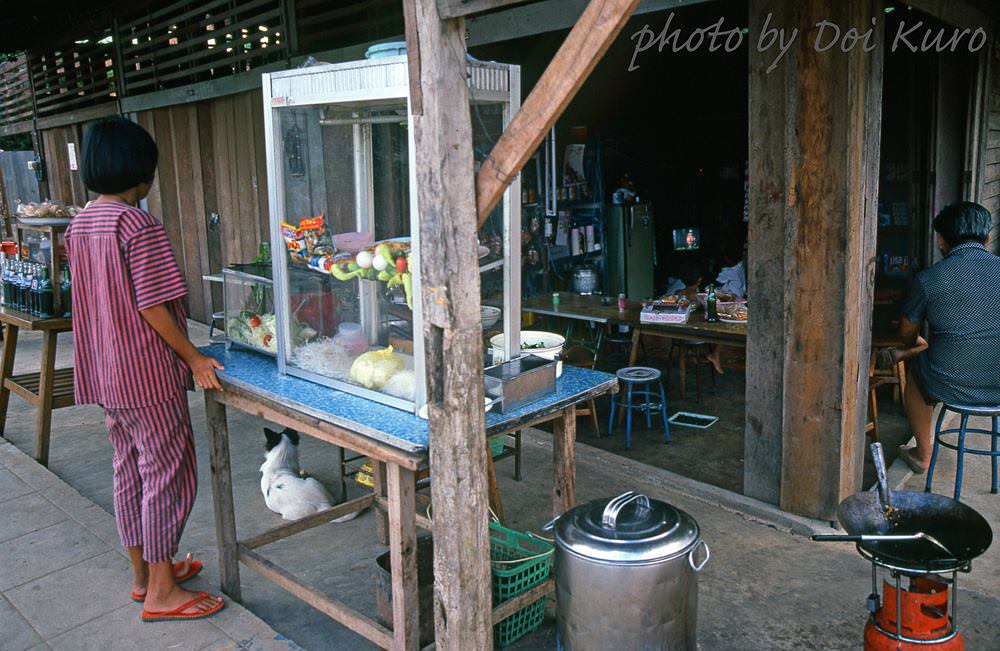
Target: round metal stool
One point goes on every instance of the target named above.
(965, 411)
(639, 381)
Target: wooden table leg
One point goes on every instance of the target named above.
(491, 480)
(381, 517)
(43, 418)
(633, 354)
(222, 496)
(564, 462)
(403, 558)
(6, 369)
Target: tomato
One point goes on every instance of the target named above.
(401, 265)
(255, 322)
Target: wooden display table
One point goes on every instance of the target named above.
(396, 442)
(47, 389)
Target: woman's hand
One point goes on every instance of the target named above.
(203, 369)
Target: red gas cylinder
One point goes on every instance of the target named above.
(924, 617)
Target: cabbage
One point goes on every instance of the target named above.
(374, 368)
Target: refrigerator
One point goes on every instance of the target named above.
(631, 251)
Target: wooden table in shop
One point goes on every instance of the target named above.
(48, 388)
(592, 309)
(396, 442)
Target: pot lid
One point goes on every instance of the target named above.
(630, 528)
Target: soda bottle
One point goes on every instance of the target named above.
(4, 280)
(64, 292)
(33, 290)
(44, 295)
(711, 306)
(19, 280)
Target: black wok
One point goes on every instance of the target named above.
(944, 523)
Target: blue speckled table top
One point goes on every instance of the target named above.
(258, 374)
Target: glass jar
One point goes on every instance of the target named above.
(351, 338)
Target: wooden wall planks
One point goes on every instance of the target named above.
(989, 190)
(211, 161)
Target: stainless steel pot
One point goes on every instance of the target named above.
(626, 576)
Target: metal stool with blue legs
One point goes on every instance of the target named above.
(639, 381)
(939, 439)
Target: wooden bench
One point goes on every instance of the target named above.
(48, 388)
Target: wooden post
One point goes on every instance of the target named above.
(403, 559)
(222, 496)
(564, 462)
(452, 330)
(815, 124)
(43, 418)
(6, 369)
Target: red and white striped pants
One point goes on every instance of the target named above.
(156, 475)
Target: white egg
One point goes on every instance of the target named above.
(364, 259)
(379, 263)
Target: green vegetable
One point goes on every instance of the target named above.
(384, 275)
(384, 251)
(408, 288)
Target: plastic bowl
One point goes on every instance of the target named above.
(552, 345)
(391, 49)
(351, 242)
(491, 315)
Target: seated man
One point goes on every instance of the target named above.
(958, 299)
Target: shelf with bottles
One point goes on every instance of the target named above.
(35, 275)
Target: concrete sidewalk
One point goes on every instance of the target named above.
(766, 588)
(64, 578)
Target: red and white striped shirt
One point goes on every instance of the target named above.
(121, 263)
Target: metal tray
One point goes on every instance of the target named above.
(520, 381)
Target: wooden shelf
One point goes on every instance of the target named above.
(26, 386)
(28, 321)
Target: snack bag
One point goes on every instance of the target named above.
(294, 241)
(315, 237)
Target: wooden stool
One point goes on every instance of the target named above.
(896, 374)
(876, 380)
(47, 389)
(583, 358)
(696, 349)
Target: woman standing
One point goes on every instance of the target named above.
(132, 356)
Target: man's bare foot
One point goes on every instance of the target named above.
(917, 465)
(714, 360)
(176, 598)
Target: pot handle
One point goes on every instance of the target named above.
(708, 555)
(610, 516)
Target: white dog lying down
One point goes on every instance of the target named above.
(285, 490)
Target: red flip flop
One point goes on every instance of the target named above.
(180, 575)
(178, 612)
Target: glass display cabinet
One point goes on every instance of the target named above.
(343, 208)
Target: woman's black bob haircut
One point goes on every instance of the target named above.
(117, 155)
(964, 221)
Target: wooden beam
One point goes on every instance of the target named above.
(460, 8)
(815, 125)
(333, 608)
(586, 43)
(449, 272)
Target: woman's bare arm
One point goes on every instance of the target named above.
(202, 366)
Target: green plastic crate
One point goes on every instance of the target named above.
(497, 445)
(520, 562)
